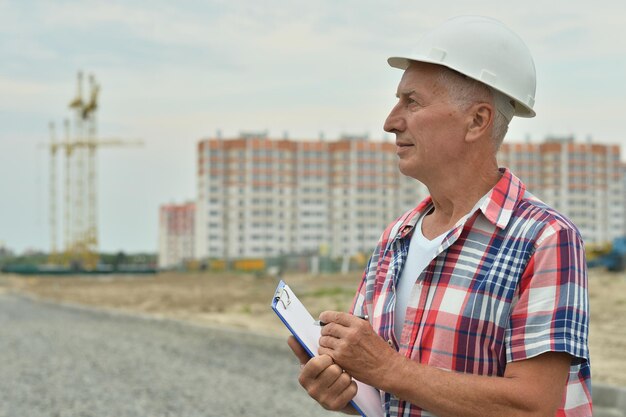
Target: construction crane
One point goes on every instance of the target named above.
(79, 148)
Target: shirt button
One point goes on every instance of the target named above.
(390, 342)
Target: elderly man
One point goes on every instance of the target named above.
(477, 298)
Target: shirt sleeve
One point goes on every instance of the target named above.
(552, 310)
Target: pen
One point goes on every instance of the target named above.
(321, 323)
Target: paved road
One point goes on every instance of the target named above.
(59, 361)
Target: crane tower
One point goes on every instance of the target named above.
(78, 149)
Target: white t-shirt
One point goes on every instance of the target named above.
(421, 252)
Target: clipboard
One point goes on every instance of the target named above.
(300, 323)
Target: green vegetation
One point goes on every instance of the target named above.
(331, 292)
(31, 260)
(122, 258)
(114, 260)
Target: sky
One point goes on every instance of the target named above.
(172, 73)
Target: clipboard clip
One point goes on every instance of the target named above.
(282, 296)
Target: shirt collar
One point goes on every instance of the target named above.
(497, 207)
(503, 198)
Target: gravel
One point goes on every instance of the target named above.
(62, 361)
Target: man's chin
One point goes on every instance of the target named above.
(406, 168)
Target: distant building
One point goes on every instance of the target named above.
(584, 181)
(623, 164)
(176, 234)
(260, 197)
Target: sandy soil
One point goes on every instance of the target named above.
(242, 301)
(236, 300)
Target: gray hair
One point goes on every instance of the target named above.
(466, 91)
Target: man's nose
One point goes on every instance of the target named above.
(394, 122)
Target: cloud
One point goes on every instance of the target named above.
(25, 96)
(15, 88)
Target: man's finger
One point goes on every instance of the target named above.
(329, 342)
(330, 375)
(334, 330)
(338, 317)
(341, 382)
(314, 368)
(330, 316)
(298, 350)
(347, 394)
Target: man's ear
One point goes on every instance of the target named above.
(480, 120)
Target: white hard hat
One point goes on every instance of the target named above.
(483, 49)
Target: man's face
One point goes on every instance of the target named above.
(429, 128)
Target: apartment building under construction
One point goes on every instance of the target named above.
(260, 197)
(583, 180)
(176, 234)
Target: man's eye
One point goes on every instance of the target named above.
(411, 102)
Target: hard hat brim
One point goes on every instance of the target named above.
(521, 109)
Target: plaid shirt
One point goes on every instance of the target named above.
(508, 283)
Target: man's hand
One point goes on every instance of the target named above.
(324, 380)
(352, 343)
(529, 387)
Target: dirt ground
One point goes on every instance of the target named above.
(242, 301)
